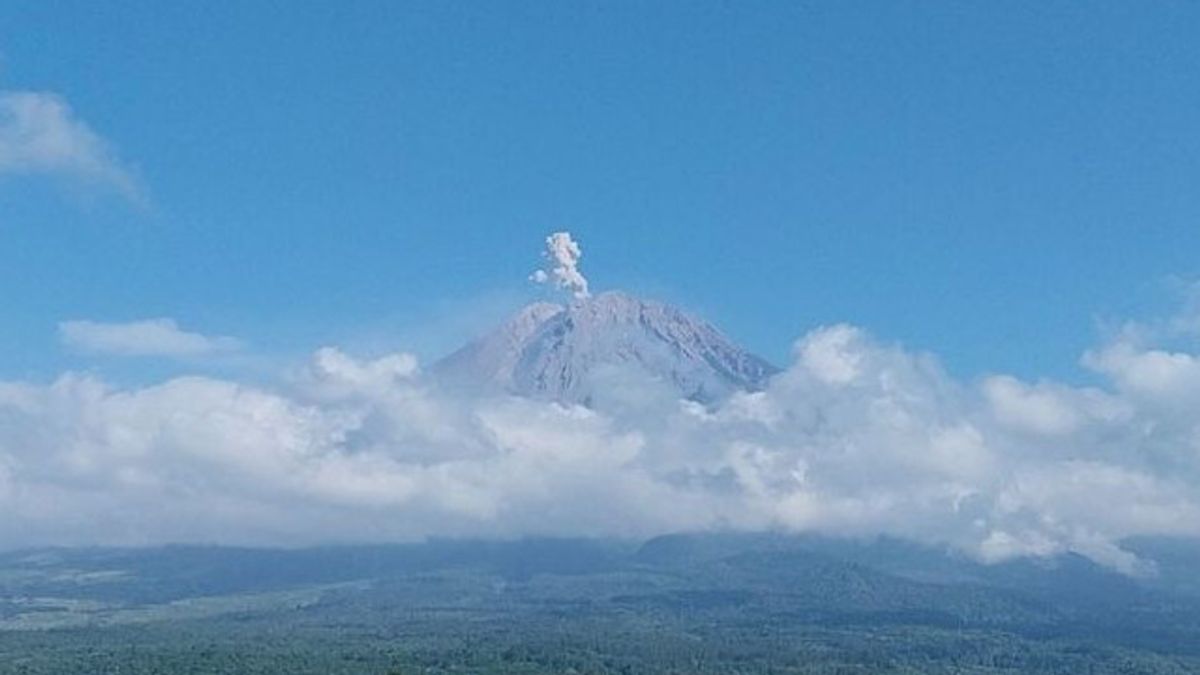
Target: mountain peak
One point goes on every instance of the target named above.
(561, 352)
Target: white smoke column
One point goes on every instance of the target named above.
(562, 255)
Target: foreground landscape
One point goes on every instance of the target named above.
(675, 604)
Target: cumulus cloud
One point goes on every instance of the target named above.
(40, 134)
(562, 256)
(1048, 409)
(855, 437)
(149, 337)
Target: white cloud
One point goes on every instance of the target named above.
(1154, 373)
(1050, 409)
(854, 438)
(828, 353)
(332, 368)
(40, 134)
(149, 337)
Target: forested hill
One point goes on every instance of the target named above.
(677, 604)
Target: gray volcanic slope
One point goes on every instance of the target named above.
(560, 352)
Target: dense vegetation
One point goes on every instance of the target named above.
(703, 604)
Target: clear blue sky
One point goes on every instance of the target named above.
(981, 180)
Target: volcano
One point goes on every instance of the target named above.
(564, 352)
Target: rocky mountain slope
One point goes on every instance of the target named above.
(564, 352)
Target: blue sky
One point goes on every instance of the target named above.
(986, 181)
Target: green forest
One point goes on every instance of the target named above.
(682, 604)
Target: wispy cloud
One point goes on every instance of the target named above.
(149, 337)
(40, 134)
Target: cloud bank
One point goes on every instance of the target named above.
(40, 134)
(855, 437)
(149, 337)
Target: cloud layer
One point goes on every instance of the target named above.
(855, 437)
(39, 134)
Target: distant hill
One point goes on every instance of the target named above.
(684, 603)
